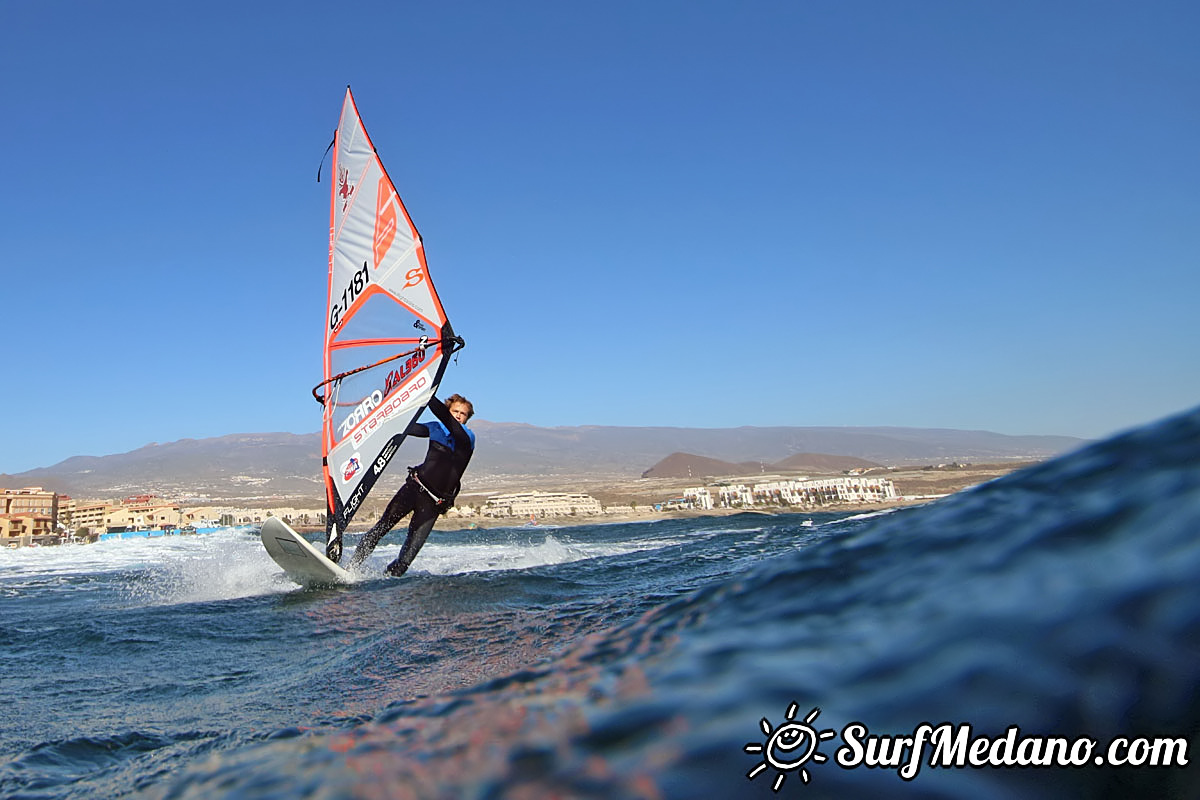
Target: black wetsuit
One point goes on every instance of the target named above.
(429, 491)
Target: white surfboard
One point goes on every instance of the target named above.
(303, 563)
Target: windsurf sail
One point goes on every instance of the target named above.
(387, 338)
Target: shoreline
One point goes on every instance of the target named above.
(616, 518)
(622, 517)
(627, 499)
(917, 486)
(632, 499)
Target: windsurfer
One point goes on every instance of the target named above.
(431, 488)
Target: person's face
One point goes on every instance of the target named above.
(460, 413)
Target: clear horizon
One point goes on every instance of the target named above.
(974, 217)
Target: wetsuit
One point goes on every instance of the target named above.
(429, 491)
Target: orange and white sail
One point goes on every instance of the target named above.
(387, 337)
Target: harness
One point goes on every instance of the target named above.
(413, 476)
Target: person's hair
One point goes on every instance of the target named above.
(458, 398)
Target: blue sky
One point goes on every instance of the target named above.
(704, 214)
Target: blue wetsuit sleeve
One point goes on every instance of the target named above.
(462, 440)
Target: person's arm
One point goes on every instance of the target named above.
(417, 429)
(462, 441)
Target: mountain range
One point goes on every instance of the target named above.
(254, 465)
(689, 465)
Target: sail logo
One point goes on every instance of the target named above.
(345, 188)
(397, 401)
(385, 457)
(360, 412)
(385, 219)
(397, 375)
(351, 467)
(355, 499)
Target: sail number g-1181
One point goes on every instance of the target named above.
(358, 282)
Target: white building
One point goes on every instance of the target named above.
(733, 496)
(540, 504)
(846, 490)
(699, 497)
(796, 493)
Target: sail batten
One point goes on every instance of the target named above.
(362, 342)
(387, 337)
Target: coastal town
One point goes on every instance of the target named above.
(33, 516)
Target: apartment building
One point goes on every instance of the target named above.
(27, 516)
(89, 516)
(699, 497)
(541, 504)
(141, 512)
(25, 529)
(28, 501)
(814, 492)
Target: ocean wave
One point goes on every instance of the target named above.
(1059, 599)
(637, 660)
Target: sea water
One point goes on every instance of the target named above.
(714, 657)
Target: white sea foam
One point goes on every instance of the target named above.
(161, 570)
(106, 556)
(868, 515)
(725, 531)
(231, 564)
(454, 559)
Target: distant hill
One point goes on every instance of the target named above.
(688, 465)
(255, 465)
(507, 448)
(238, 465)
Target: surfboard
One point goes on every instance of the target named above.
(303, 563)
